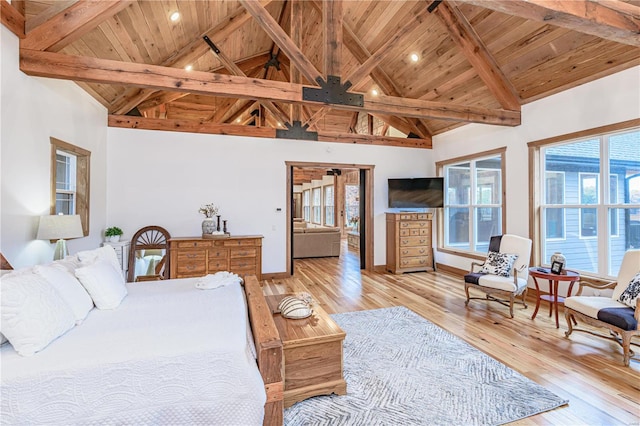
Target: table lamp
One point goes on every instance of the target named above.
(60, 227)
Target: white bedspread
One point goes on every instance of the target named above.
(170, 354)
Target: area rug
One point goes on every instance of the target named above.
(403, 370)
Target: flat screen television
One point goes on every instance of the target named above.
(416, 192)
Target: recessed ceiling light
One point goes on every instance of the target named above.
(415, 57)
(374, 92)
(238, 120)
(175, 16)
(188, 67)
(279, 124)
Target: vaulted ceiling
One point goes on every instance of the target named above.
(368, 72)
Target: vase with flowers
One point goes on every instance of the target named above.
(208, 224)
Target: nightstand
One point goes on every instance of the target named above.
(122, 251)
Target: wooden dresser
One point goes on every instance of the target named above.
(195, 257)
(409, 242)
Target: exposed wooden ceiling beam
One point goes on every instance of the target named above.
(388, 47)
(48, 13)
(12, 19)
(609, 19)
(186, 55)
(235, 70)
(280, 37)
(129, 122)
(332, 35)
(361, 53)
(296, 37)
(478, 55)
(77, 68)
(71, 23)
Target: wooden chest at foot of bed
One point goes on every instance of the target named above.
(312, 354)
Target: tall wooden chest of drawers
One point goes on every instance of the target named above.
(409, 242)
(195, 257)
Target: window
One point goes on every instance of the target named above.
(473, 209)
(352, 205)
(554, 194)
(328, 206)
(597, 218)
(70, 181)
(65, 182)
(316, 197)
(306, 203)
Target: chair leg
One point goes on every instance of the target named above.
(466, 290)
(626, 348)
(570, 320)
(511, 305)
(524, 297)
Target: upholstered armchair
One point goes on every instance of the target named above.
(503, 275)
(620, 313)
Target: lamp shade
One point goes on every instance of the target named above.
(56, 227)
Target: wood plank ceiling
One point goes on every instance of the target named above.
(473, 61)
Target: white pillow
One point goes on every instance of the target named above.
(104, 283)
(70, 263)
(32, 312)
(499, 264)
(107, 253)
(631, 293)
(69, 288)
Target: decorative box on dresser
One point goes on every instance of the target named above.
(195, 257)
(122, 251)
(409, 242)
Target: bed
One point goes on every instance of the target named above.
(170, 353)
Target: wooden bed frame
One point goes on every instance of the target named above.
(268, 347)
(269, 350)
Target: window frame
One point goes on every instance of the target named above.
(440, 165)
(306, 205)
(328, 208)
(316, 209)
(83, 174)
(535, 193)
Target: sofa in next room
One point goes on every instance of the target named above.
(311, 240)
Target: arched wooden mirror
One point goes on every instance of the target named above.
(149, 254)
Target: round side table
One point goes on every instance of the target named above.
(553, 298)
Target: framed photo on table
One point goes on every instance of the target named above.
(556, 267)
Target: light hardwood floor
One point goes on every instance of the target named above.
(586, 370)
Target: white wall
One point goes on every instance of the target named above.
(31, 110)
(609, 100)
(162, 178)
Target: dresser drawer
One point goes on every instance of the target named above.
(217, 253)
(242, 252)
(409, 262)
(416, 224)
(217, 264)
(240, 263)
(242, 242)
(414, 241)
(193, 244)
(415, 251)
(408, 216)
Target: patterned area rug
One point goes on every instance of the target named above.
(403, 370)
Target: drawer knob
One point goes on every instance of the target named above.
(405, 252)
(405, 241)
(422, 241)
(190, 267)
(422, 251)
(191, 255)
(405, 224)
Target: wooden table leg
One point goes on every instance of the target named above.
(535, 311)
(555, 301)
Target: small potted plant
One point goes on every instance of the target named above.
(113, 234)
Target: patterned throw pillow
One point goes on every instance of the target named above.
(631, 293)
(499, 264)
